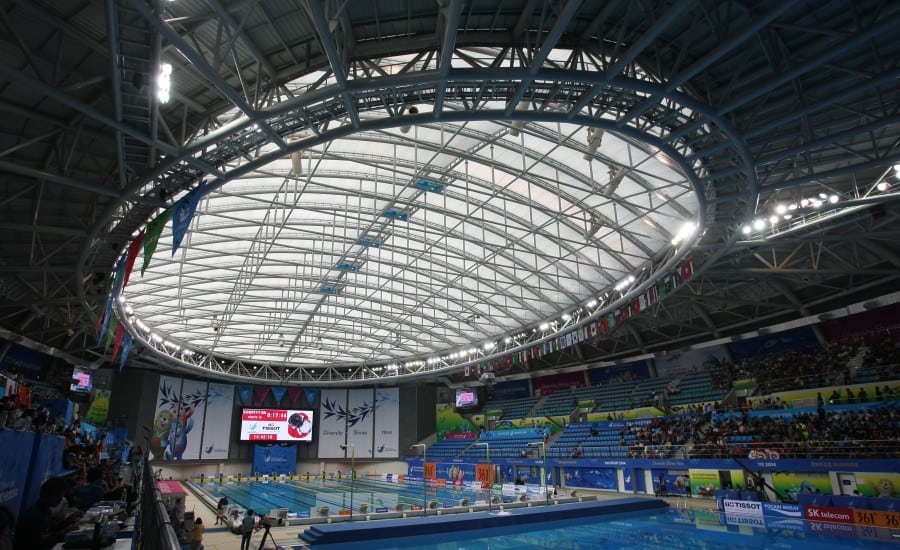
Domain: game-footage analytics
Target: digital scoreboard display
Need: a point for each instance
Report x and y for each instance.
(276, 425)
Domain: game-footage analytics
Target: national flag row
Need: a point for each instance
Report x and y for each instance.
(593, 330)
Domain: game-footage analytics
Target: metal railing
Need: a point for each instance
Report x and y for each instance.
(153, 529)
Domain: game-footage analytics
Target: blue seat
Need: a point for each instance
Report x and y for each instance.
(814, 499)
(850, 501)
(885, 504)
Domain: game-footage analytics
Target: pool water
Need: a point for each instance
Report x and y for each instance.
(304, 498)
(669, 530)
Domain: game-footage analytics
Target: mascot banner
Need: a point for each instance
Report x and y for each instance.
(178, 423)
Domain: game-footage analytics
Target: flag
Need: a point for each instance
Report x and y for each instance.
(294, 394)
(104, 321)
(652, 295)
(311, 395)
(111, 333)
(687, 270)
(151, 238)
(107, 314)
(184, 212)
(117, 341)
(261, 392)
(132, 255)
(278, 393)
(127, 342)
(244, 393)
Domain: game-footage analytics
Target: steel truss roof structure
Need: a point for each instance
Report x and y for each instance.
(394, 190)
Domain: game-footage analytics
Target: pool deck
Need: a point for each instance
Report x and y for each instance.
(348, 533)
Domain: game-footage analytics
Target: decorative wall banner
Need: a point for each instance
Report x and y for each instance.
(361, 421)
(161, 433)
(191, 410)
(387, 423)
(217, 423)
(332, 423)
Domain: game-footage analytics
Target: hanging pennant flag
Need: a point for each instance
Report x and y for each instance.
(127, 342)
(260, 393)
(278, 393)
(117, 341)
(687, 270)
(294, 394)
(311, 395)
(244, 393)
(151, 238)
(111, 333)
(133, 248)
(107, 314)
(183, 214)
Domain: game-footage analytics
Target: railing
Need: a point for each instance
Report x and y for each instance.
(153, 527)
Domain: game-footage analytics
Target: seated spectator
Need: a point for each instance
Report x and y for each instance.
(93, 491)
(37, 529)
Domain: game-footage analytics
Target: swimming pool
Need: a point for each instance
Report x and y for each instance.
(305, 499)
(668, 529)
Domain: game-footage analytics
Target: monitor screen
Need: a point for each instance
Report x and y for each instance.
(466, 398)
(81, 379)
(276, 425)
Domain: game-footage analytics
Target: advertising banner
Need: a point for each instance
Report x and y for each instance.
(387, 423)
(14, 461)
(46, 462)
(276, 425)
(274, 459)
(99, 407)
(217, 423)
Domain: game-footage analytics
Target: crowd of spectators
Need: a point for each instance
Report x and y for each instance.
(807, 368)
(867, 432)
(661, 436)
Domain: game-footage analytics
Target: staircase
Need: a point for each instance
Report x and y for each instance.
(137, 77)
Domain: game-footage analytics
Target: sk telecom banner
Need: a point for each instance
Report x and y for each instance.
(217, 424)
(387, 422)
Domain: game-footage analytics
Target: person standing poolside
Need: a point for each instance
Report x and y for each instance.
(247, 529)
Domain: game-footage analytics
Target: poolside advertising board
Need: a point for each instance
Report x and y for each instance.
(276, 425)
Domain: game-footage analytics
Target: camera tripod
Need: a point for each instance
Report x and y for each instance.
(266, 535)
